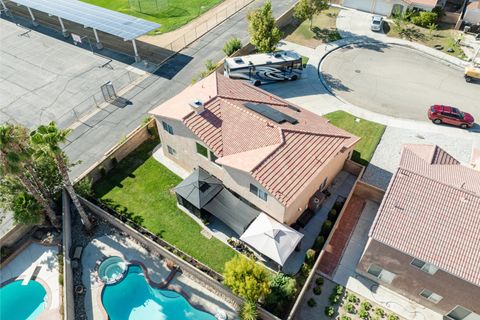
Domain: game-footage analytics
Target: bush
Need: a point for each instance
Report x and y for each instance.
(310, 257)
(282, 291)
(424, 19)
(332, 215)
(232, 46)
(380, 312)
(439, 11)
(345, 317)
(319, 281)
(334, 298)
(363, 314)
(84, 187)
(352, 298)
(319, 242)
(392, 316)
(248, 311)
(305, 270)
(339, 289)
(311, 303)
(317, 290)
(365, 305)
(326, 227)
(350, 308)
(329, 311)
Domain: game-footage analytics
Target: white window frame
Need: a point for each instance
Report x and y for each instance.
(379, 277)
(426, 267)
(171, 150)
(262, 194)
(168, 128)
(471, 312)
(429, 298)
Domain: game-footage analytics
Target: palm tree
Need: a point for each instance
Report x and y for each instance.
(15, 160)
(46, 140)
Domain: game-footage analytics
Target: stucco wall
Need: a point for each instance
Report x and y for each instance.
(410, 281)
(472, 16)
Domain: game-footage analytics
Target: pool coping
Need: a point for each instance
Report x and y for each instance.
(48, 292)
(165, 284)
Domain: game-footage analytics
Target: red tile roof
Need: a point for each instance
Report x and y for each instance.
(298, 152)
(431, 211)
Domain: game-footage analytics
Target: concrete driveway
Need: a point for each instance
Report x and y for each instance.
(397, 81)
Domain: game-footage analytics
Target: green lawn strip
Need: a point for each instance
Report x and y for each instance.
(370, 132)
(324, 30)
(305, 60)
(141, 188)
(171, 16)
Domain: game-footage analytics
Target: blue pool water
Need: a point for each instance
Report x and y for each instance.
(19, 302)
(132, 298)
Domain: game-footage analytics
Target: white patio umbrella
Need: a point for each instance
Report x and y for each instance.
(271, 238)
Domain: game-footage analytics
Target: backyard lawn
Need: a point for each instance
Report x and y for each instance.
(324, 30)
(370, 132)
(141, 188)
(169, 14)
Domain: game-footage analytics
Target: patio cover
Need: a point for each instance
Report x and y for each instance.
(271, 238)
(232, 211)
(108, 21)
(199, 188)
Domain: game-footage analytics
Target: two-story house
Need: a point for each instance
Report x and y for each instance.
(267, 152)
(425, 240)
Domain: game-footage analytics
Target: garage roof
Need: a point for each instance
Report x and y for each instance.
(108, 21)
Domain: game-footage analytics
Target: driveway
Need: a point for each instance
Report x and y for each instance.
(397, 81)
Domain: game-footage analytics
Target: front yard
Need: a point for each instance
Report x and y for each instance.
(141, 189)
(324, 30)
(369, 131)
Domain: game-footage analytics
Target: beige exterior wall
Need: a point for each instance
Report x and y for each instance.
(184, 143)
(410, 281)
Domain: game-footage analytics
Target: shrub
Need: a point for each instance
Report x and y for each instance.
(350, 308)
(351, 298)
(310, 257)
(311, 303)
(345, 317)
(318, 244)
(326, 227)
(332, 215)
(366, 305)
(317, 290)
(282, 291)
(339, 289)
(392, 316)
(319, 281)
(380, 312)
(329, 311)
(363, 314)
(424, 19)
(305, 270)
(232, 46)
(334, 298)
(248, 311)
(439, 11)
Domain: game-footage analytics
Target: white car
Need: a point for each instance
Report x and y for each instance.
(377, 23)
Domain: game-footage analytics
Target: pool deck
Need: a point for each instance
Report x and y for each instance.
(157, 274)
(44, 257)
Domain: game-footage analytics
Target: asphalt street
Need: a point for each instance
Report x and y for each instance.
(398, 81)
(91, 140)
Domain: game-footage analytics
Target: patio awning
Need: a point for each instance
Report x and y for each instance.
(231, 211)
(271, 238)
(199, 188)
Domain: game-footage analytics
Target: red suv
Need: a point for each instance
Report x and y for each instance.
(450, 115)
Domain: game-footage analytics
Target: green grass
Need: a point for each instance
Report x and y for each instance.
(370, 132)
(323, 30)
(141, 188)
(169, 14)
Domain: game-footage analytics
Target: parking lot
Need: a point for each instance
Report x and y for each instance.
(43, 78)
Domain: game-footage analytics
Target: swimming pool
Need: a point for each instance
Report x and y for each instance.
(19, 302)
(133, 298)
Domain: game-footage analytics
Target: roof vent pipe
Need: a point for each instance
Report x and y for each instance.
(197, 106)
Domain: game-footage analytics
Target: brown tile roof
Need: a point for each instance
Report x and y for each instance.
(431, 211)
(289, 154)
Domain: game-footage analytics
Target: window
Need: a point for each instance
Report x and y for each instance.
(258, 192)
(167, 127)
(381, 274)
(424, 266)
(202, 150)
(432, 296)
(460, 313)
(213, 157)
(171, 150)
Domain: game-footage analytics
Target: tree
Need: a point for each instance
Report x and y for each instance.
(306, 9)
(264, 34)
(246, 278)
(26, 209)
(16, 162)
(282, 290)
(46, 140)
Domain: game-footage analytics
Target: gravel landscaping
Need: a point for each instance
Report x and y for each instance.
(387, 155)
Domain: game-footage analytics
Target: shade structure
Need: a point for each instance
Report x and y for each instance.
(271, 238)
(108, 21)
(199, 188)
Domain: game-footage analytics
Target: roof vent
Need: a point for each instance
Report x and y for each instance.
(238, 60)
(277, 55)
(197, 106)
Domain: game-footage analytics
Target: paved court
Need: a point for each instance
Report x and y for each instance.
(398, 81)
(44, 79)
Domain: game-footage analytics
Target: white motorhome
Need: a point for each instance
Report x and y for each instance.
(265, 67)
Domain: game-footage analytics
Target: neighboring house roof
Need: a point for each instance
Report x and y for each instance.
(282, 157)
(474, 5)
(431, 211)
(426, 3)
